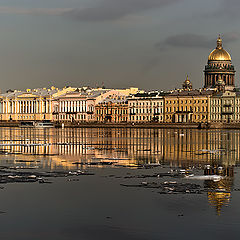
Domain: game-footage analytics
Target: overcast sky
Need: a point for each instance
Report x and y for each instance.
(150, 44)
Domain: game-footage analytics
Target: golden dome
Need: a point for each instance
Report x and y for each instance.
(219, 54)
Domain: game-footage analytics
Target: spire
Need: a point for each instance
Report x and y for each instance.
(219, 42)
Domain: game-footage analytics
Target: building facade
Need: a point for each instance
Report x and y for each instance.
(26, 106)
(85, 105)
(187, 107)
(70, 107)
(225, 107)
(112, 110)
(146, 107)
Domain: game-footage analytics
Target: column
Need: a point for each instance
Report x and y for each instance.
(36, 106)
(32, 106)
(75, 106)
(49, 106)
(46, 106)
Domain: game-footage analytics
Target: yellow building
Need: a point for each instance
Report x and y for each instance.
(187, 106)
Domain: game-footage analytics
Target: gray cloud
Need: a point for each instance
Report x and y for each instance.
(116, 9)
(105, 10)
(194, 40)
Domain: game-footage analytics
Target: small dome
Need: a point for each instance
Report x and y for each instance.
(187, 84)
(219, 54)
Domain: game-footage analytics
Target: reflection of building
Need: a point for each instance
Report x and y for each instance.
(176, 147)
(146, 107)
(187, 106)
(219, 66)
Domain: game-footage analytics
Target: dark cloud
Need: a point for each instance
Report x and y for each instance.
(228, 9)
(194, 40)
(104, 10)
(116, 9)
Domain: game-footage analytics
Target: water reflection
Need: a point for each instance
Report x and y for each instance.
(219, 192)
(63, 148)
(177, 147)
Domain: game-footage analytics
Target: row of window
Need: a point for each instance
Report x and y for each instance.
(142, 110)
(225, 101)
(117, 119)
(193, 117)
(226, 109)
(71, 117)
(26, 117)
(185, 101)
(186, 109)
(149, 103)
(110, 111)
(144, 118)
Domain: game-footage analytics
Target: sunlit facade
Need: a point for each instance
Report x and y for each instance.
(112, 110)
(29, 105)
(92, 105)
(146, 107)
(225, 107)
(187, 107)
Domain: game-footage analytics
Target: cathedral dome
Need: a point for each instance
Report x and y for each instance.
(219, 54)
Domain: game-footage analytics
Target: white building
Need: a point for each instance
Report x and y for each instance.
(146, 107)
(225, 107)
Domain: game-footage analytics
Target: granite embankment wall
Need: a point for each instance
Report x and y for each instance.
(155, 125)
(145, 125)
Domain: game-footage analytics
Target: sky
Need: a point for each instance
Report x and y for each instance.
(149, 44)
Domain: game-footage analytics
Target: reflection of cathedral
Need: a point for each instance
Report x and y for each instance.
(219, 66)
(219, 192)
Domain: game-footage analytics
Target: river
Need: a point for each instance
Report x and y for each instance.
(142, 184)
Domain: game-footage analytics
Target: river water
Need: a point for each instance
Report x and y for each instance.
(126, 184)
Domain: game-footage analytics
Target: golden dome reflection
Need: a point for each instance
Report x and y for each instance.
(219, 54)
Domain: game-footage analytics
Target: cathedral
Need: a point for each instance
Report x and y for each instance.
(219, 67)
